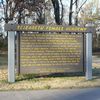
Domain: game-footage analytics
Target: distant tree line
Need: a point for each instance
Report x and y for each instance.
(21, 9)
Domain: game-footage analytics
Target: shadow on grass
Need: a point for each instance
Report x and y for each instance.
(96, 52)
(51, 75)
(96, 73)
(36, 77)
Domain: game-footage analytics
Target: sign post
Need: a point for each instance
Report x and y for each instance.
(11, 56)
(88, 56)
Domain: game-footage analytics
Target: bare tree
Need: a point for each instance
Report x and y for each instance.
(70, 12)
(78, 8)
(18, 7)
(56, 11)
(62, 12)
(76, 16)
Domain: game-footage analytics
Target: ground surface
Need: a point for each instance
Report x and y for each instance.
(29, 82)
(66, 94)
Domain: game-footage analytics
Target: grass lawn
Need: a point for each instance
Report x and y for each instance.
(31, 82)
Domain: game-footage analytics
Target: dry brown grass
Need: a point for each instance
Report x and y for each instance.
(29, 82)
(24, 83)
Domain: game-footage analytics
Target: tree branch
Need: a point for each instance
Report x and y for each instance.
(81, 6)
(74, 2)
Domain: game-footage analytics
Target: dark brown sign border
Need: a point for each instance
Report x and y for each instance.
(47, 28)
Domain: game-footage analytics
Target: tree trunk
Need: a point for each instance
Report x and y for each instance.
(70, 12)
(56, 11)
(76, 17)
(62, 12)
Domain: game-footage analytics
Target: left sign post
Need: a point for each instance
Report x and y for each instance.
(11, 56)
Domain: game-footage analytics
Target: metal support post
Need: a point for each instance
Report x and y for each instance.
(11, 56)
(88, 56)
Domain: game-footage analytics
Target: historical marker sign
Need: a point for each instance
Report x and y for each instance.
(51, 53)
(50, 49)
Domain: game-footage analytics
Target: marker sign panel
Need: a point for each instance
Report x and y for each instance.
(51, 52)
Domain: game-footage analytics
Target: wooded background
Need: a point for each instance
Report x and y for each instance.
(60, 12)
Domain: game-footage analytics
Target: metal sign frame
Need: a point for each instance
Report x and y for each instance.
(69, 67)
(11, 28)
